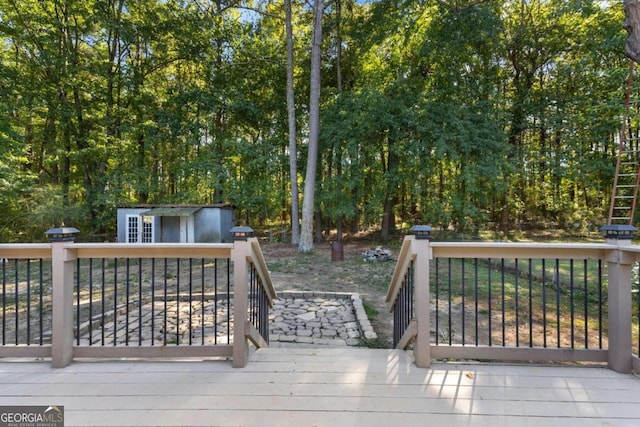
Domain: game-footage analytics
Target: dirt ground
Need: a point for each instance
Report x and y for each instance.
(317, 272)
(292, 271)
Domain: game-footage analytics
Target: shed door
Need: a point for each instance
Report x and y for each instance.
(140, 229)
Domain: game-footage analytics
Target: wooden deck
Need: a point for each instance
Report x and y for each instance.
(324, 387)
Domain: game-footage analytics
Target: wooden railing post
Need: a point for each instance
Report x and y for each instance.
(619, 263)
(239, 256)
(421, 250)
(62, 258)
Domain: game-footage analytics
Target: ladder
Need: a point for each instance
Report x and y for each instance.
(627, 177)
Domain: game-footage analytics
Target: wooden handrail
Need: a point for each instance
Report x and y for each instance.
(25, 251)
(519, 250)
(404, 259)
(257, 258)
(155, 250)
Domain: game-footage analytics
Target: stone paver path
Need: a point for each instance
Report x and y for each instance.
(330, 319)
(324, 318)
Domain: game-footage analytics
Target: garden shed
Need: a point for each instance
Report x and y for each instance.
(175, 223)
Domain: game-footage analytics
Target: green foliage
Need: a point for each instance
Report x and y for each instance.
(464, 115)
(371, 312)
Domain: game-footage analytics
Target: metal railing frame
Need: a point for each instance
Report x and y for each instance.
(248, 262)
(416, 255)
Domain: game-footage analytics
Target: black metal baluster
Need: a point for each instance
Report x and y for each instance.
(139, 301)
(90, 301)
(490, 326)
(401, 313)
(475, 262)
(557, 279)
(153, 301)
(638, 308)
(258, 307)
(265, 315)
(4, 302)
(404, 309)
(600, 304)
(572, 303)
(412, 290)
(17, 300)
(396, 323)
(115, 301)
(78, 280)
(177, 301)
(517, 297)
(449, 297)
(254, 285)
(228, 301)
(102, 294)
(544, 303)
(637, 266)
(127, 291)
(28, 302)
(164, 329)
(463, 302)
(586, 306)
(190, 301)
(261, 308)
(502, 302)
(215, 302)
(41, 307)
(437, 301)
(530, 302)
(408, 299)
(256, 297)
(202, 300)
(405, 304)
(250, 297)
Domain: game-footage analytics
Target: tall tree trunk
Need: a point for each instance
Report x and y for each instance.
(391, 190)
(306, 235)
(291, 116)
(339, 79)
(65, 172)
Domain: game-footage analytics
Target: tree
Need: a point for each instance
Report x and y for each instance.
(306, 234)
(291, 120)
(461, 114)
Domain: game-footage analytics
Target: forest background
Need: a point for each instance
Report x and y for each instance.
(462, 114)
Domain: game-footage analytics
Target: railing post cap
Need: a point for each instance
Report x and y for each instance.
(62, 234)
(241, 232)
(618, 231)
(422, 232)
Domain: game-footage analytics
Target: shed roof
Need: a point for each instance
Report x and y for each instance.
(178, 205)
(173, 211)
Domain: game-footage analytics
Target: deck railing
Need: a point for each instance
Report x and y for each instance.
(515, 301)
(68, 300)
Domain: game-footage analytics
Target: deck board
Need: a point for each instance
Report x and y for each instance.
(324, 387)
